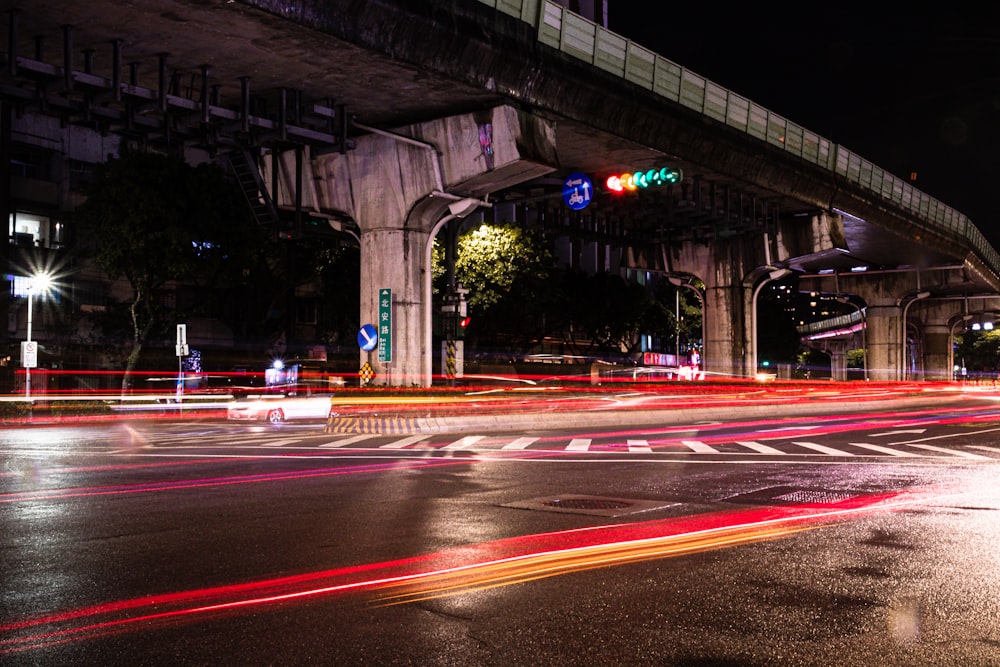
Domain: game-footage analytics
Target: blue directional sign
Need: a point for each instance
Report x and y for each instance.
(577, 191)
(368, 337)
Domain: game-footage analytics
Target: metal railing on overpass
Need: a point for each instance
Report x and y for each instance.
(581, 38)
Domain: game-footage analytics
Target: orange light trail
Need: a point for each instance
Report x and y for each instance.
(463, 569)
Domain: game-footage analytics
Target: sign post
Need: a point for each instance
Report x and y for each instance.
(182, 350)
(29, 359)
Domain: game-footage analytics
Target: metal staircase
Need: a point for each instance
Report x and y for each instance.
(244, 168)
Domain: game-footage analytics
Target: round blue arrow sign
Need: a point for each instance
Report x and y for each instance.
(368, 337)
(577, 191)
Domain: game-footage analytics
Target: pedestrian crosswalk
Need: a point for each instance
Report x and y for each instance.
(569, 444)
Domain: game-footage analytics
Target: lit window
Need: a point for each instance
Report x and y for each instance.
(28, 230)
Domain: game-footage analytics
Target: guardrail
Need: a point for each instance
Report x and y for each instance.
(581, 38)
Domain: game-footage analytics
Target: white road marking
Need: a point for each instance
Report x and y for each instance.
(952, 452)
(699, 446)
(405, 442)
(638, 446)
(758, 447)
(578, 445)
(278, 443)
(465, 442)
(884, 450)
(520, 443)
(823, 449)
(348, 441)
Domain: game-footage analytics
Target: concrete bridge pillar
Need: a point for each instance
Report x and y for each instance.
(937, 355)
(721, 266)
(939, 320)
(400, 187)
(838, 361)
(882, 328)
(733, 271)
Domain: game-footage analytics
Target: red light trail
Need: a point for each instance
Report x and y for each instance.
(459, 570)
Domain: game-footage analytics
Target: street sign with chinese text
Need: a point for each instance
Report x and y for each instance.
(385, 325)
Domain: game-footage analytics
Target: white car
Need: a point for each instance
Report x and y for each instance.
(279, 409)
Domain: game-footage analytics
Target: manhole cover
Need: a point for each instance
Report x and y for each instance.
(786, 494)
(593, 505)
(814, 497)
(588, 503)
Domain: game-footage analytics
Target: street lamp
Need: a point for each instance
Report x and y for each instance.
(864, 331)
(963, 320)
(774, 274)
(902, 333)
(40, 283)
(677, 282)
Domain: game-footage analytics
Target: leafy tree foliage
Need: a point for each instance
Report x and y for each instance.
(517, 299)
(507, 270)
(979, 352)
(154, 219)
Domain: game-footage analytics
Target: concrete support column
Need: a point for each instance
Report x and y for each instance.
(936, 352)
(721, 266)
(724, 345)
(399, 186)
(406, 275)
(883, 341)
(838, 362)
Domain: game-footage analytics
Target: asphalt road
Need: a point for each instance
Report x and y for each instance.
(854, 539)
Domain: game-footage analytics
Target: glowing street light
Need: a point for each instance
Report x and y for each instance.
(29, 350)
(772, 275)
(864, 329)
(905, 302)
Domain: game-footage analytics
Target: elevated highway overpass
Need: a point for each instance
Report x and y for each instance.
(392, 118)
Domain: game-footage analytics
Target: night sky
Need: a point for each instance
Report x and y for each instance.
(910, 92)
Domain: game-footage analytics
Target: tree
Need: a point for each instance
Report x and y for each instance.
(517, 298)
(153, 219)
(979, 352)
(507, 271)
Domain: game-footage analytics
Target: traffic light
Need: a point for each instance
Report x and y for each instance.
(640, 180)
(463, 324)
